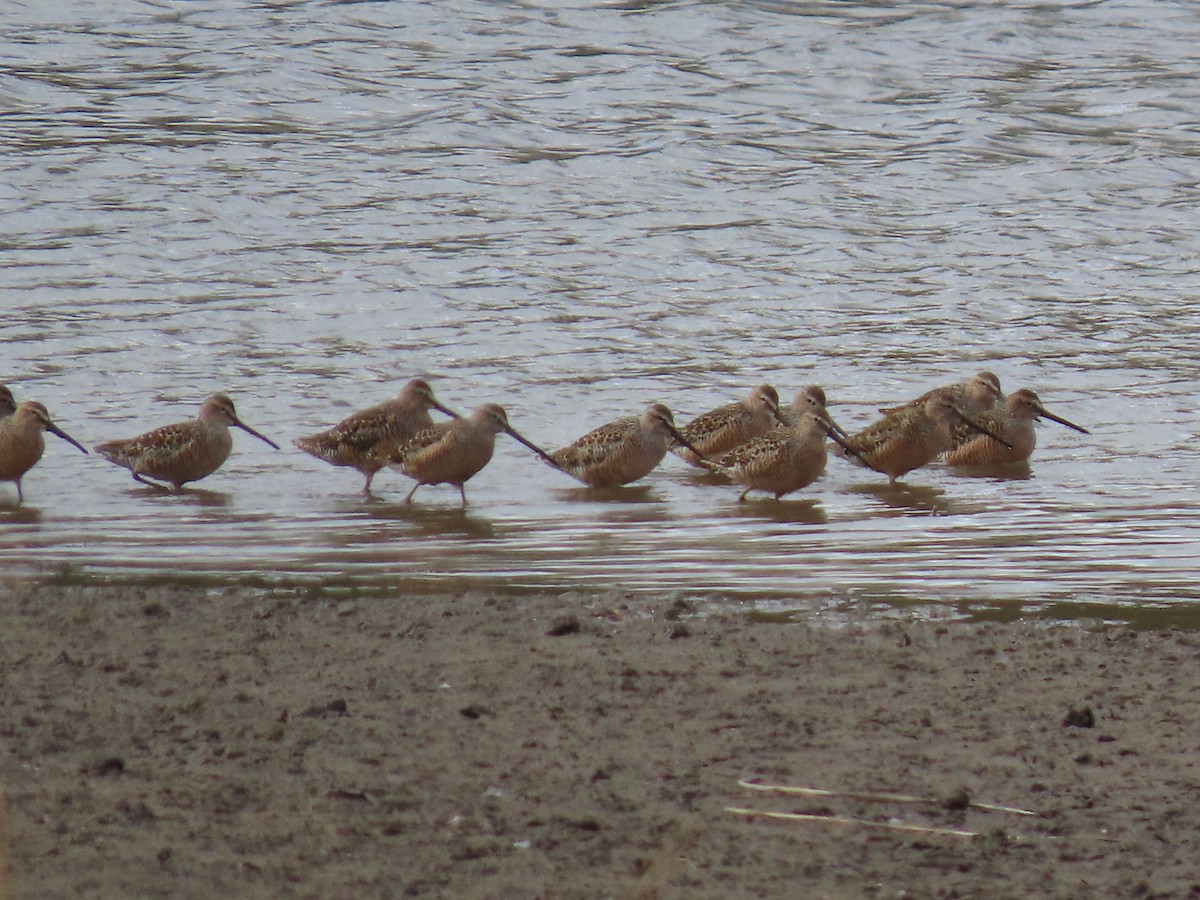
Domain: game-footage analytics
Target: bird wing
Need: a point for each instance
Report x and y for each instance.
(596, 446)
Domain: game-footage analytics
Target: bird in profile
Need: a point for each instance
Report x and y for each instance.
(1014, 422)
(720, 430)
(912, 436)
(623, 450)
(183, 452)
(452, 452)
(782, 460)
(363, 439)
(21, 441)
(974, 396)
(8, 404)
(809, 399)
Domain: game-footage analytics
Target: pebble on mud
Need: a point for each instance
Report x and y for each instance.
(1079, 718)
(563, 625)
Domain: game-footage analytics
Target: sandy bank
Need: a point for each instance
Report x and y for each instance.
(179, 742)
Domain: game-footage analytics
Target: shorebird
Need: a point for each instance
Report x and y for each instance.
(975, 396)
(363, 439)
(911, 437)
(1014, 422)
(452, 452)
(809, 399)
(622, 451)
(21, 441)
(783, 460)
(8, 405)
(183, 452)
(720, 430)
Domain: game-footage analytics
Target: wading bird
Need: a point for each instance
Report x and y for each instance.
(183, 452)
(623, 450)
(1014, 422)
(362, 440)
(22, 444)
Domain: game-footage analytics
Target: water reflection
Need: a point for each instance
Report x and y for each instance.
(187, 496)
(911, 498)
(434, 522)
(643, 492)
(766, 509)
(25, 514)
(1017, 471)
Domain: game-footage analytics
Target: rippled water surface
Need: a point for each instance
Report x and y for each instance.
(576, 209)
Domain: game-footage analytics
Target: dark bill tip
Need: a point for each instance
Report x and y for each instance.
(266, 440)
(532, 446)
(1061, 421)
(58, 432)
(684, 441)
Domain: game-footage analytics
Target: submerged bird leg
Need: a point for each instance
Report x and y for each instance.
(462, 492)
(146, 481)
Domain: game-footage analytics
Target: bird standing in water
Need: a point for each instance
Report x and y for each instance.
(183, 452)
(720, 430)
(623, 450)
(783, 460)
(1014, 422)
(362, 440)
(911, 436)
(21, 441)
(452, 452)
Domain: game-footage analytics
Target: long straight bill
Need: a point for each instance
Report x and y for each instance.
(246, 428)
(679, 437)
(981, 428)
(831, 430)
(1042, 411)
(55, 430)
(534, 447)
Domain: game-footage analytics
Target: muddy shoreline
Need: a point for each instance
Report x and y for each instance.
(188, 742)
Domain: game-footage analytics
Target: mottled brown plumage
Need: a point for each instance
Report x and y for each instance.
(22, 444)
(1014, 421)
(782, 460)
(623, 450)
(910, 437)
(454, 451)
(975, 396)
(183, 452)
(720, 430)
(363, 440)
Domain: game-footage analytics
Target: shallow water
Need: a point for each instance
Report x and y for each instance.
(574, 210)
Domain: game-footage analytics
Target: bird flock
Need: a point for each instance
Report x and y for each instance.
(755, 442)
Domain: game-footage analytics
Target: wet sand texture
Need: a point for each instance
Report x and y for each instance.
(171, 742)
